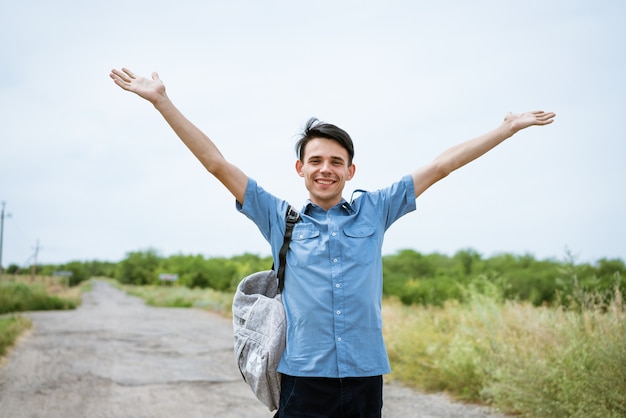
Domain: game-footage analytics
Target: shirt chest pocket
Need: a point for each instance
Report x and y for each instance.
(304, 245)
(361, 243)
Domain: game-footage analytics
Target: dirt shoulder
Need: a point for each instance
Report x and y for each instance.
(117, 357)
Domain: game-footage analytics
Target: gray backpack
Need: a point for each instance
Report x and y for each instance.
(259, 324)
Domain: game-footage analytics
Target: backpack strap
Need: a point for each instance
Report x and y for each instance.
(291, 219)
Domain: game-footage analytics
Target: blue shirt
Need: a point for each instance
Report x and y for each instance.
(333, 279)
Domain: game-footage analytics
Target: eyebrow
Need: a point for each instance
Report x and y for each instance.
(333, 158)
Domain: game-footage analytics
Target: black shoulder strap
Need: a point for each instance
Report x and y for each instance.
(291, 219)
(356, 191)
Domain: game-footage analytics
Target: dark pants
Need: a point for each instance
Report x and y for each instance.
(318, 397)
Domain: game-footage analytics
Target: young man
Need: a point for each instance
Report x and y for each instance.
(335, 355)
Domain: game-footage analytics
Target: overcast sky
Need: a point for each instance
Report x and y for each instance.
(91, 172)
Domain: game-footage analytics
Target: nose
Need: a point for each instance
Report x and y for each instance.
(325, 167)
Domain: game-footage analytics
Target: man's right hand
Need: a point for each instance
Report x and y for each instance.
(151, 90)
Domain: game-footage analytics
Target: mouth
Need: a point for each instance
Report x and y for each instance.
(325, 182)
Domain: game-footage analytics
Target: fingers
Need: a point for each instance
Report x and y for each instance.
(124, 75)
(541, 117)
(129, 73)
(122, 79)
(542, 114)
(524, 120)
(544, 118)
(117, 75)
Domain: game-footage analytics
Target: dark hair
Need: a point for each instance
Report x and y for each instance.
(317, 129)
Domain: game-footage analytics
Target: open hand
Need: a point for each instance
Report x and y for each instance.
(524, 120)
(151, 90)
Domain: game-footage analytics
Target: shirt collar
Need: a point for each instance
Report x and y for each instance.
(347, 207)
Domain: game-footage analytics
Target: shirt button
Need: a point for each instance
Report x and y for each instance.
(337, 285)
(334, 260)
(338, 338)
(338, 312)
(301, 236)
(334, 234)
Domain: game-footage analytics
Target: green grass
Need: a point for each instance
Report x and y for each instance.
(535, 362)
(183, 297)
(11, 327)
(17, 296)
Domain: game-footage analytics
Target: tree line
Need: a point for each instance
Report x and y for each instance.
(414, 278)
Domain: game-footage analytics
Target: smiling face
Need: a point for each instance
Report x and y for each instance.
(324, 167)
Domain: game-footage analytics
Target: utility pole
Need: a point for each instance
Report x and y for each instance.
(2, 215)
(33, 267)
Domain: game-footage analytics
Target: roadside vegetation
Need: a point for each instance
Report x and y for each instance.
(524, 360)
(23, 293)
(20, 294)
(183, 297)
(534, 338)
(11, 327)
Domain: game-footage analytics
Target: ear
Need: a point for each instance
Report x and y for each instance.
(351, 171)
(299, 167)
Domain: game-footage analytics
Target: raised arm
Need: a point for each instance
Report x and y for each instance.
(463, 153)
(198, 143)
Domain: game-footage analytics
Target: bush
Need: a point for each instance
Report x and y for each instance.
(433, 279)
(139, 268)
(18, 297)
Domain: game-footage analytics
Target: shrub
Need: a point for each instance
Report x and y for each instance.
(17, 297)
(139, 268)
